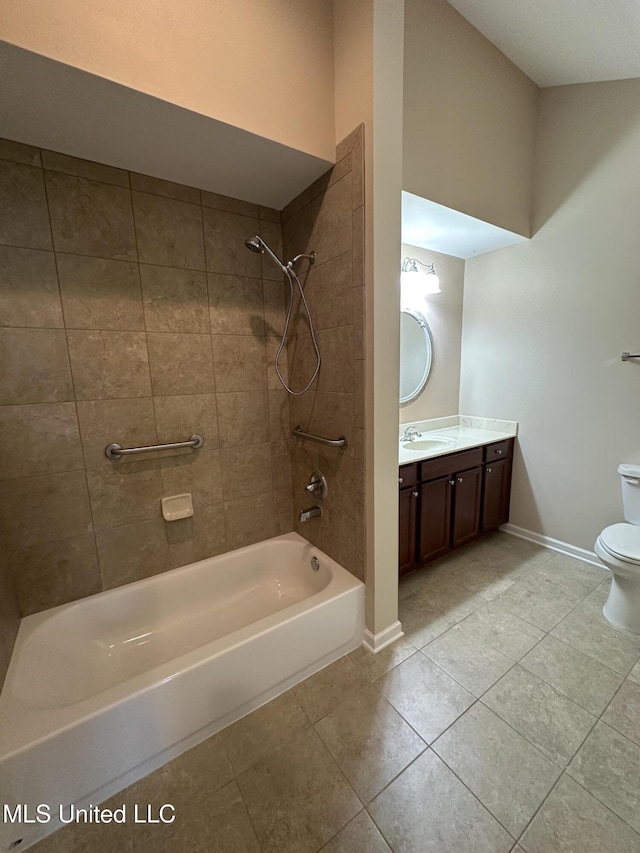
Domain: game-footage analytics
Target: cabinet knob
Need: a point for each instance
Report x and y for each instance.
(459, 479)
(489, 470)
(452, 482)
(414, 494)
(498, 453)
(401, 480)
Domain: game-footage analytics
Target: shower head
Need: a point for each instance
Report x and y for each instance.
(254, 243)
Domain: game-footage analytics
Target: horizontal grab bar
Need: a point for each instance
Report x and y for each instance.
(341, 441)
(627, 355)
(115, 451)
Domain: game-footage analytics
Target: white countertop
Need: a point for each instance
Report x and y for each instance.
(460, 431)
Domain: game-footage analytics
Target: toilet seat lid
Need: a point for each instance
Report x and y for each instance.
(623, 541)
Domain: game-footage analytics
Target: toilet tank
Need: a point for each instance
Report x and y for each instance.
(630, 477)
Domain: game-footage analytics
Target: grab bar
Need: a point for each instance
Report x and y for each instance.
(341, 441)
(627, 355)
(115, 451)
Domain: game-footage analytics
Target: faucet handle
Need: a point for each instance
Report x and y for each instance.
(318, 485)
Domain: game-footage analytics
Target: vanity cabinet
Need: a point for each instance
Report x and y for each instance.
(450, 500)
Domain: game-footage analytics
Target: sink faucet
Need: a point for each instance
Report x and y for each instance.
(410, 434)
(312, 512)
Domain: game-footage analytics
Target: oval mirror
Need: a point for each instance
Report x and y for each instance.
(415, 354)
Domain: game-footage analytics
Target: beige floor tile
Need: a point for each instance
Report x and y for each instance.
(373, 666)
(566, 571)
(608, 766)
(324, 691)
(546, 718)
(427, 697)
(370, 741)
(90, 837)
(422, 624)
(507, 774)
(572, 821)
(359, 836)
(221, 826)
(297, 798)
(263, 731)
(623, 714)
(575, 675)
(634, 675)
(472, 662)
(539, 601)
(448, 595)
(586, 630)
(428, 810)
(505, 632)
(484, 577)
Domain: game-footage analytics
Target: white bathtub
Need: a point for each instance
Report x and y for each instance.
(102, 691)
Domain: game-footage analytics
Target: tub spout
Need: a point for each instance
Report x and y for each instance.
(312, 512)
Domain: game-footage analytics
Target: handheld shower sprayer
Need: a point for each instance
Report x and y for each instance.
(257, 244)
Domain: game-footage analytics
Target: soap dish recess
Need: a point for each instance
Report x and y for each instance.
(176, 507)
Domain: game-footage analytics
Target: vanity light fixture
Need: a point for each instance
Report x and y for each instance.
(414, 287)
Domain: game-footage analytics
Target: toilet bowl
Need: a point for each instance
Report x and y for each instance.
(618, 549)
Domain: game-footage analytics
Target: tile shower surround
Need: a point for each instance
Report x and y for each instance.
(131, 311)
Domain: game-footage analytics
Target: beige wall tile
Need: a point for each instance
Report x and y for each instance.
(129, 423)
(197, 538)
(336, 347)
(156, 186)
(37, 510)
(236, 305)
(243, 416)
(269, 214)
(24, 220)
(175, 300)
(180, 364)
(178, 418)
(272, 345)
(357, 171)
(224, 236)
(84, 168)
(125, 493)
(198, 473)
(279, 425)
(132, 552)
(271, 233)
(19, 153)
(9, 611)
(98, 293)
(303, 361)
(283, 510)
(358, 247)
(169, 232)
(276, 300)
(249, 519)
(39, 439)
(35, 366)
(281, 464)
(55, 573)
(29, 293)
(332, 221)
(333, 416)
(109, 365)
(90, 218)
(246, 470)
(329, 291)
(240, 363)
(228, 204)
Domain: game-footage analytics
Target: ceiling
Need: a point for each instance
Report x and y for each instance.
(556, 42)
(441, 229)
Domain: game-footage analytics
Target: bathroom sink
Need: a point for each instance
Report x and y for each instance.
(421, 444)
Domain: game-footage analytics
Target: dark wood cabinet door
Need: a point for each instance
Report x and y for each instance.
(466, 509)
(407, 532)
(497, 487)
(435, 519)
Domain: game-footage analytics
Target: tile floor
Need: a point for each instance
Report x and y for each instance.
(507, 719)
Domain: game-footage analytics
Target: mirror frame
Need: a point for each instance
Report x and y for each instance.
(422, 322)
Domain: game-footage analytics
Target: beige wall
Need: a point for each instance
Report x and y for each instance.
(132, 312)
(263, 67)
(444, 314)
(545, 322)
(469, 119)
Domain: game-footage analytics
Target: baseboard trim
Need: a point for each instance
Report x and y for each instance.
(376, 642)
(553, 544)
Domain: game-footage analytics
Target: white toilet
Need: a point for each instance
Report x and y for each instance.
(618, 548)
